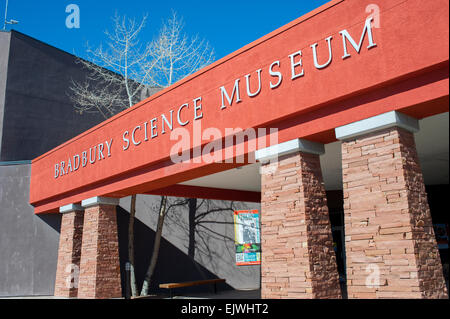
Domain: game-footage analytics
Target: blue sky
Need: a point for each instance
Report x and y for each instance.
(227, 25)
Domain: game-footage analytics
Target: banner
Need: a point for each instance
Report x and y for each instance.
(247, 237)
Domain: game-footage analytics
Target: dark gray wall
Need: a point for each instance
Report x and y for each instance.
(4, 56)
(38, 114)
(28, 243)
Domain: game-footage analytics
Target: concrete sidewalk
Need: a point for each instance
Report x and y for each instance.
(225, 294)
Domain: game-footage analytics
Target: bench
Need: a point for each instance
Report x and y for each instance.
(172, 285)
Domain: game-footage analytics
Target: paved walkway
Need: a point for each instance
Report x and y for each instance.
(224, 294)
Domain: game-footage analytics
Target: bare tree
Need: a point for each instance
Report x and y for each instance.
(126, 71)
(176, 55)
(118, 73)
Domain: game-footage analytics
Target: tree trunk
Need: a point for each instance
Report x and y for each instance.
(131, 245)
(192, 211)
(158, 235)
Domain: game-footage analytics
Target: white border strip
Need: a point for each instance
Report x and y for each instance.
(70, 208)
(100, 201)
(292, 146)
(376, 123)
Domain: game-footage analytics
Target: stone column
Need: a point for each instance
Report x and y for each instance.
(298, 260)
(99, 266)
(69, 251)
(390, 244)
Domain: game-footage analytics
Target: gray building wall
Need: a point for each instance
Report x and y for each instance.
(38, 114)
(28, 243)
(4, 57)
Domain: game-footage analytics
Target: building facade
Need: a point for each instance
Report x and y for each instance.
(337, 123)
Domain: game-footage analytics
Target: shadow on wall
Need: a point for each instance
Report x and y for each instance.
(173, 264)
(52, 220)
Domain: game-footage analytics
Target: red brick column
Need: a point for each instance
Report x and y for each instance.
(390, 244)
(298, 260)
(69, 251)
(99, 266)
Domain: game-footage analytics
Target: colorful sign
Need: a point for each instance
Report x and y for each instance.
(247, 237)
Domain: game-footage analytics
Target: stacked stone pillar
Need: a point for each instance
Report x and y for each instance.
(69, 251)
(99, 265)
(298, 260)
(391, 250)
(88, 256)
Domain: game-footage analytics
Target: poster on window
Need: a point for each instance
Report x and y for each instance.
(247, 237)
